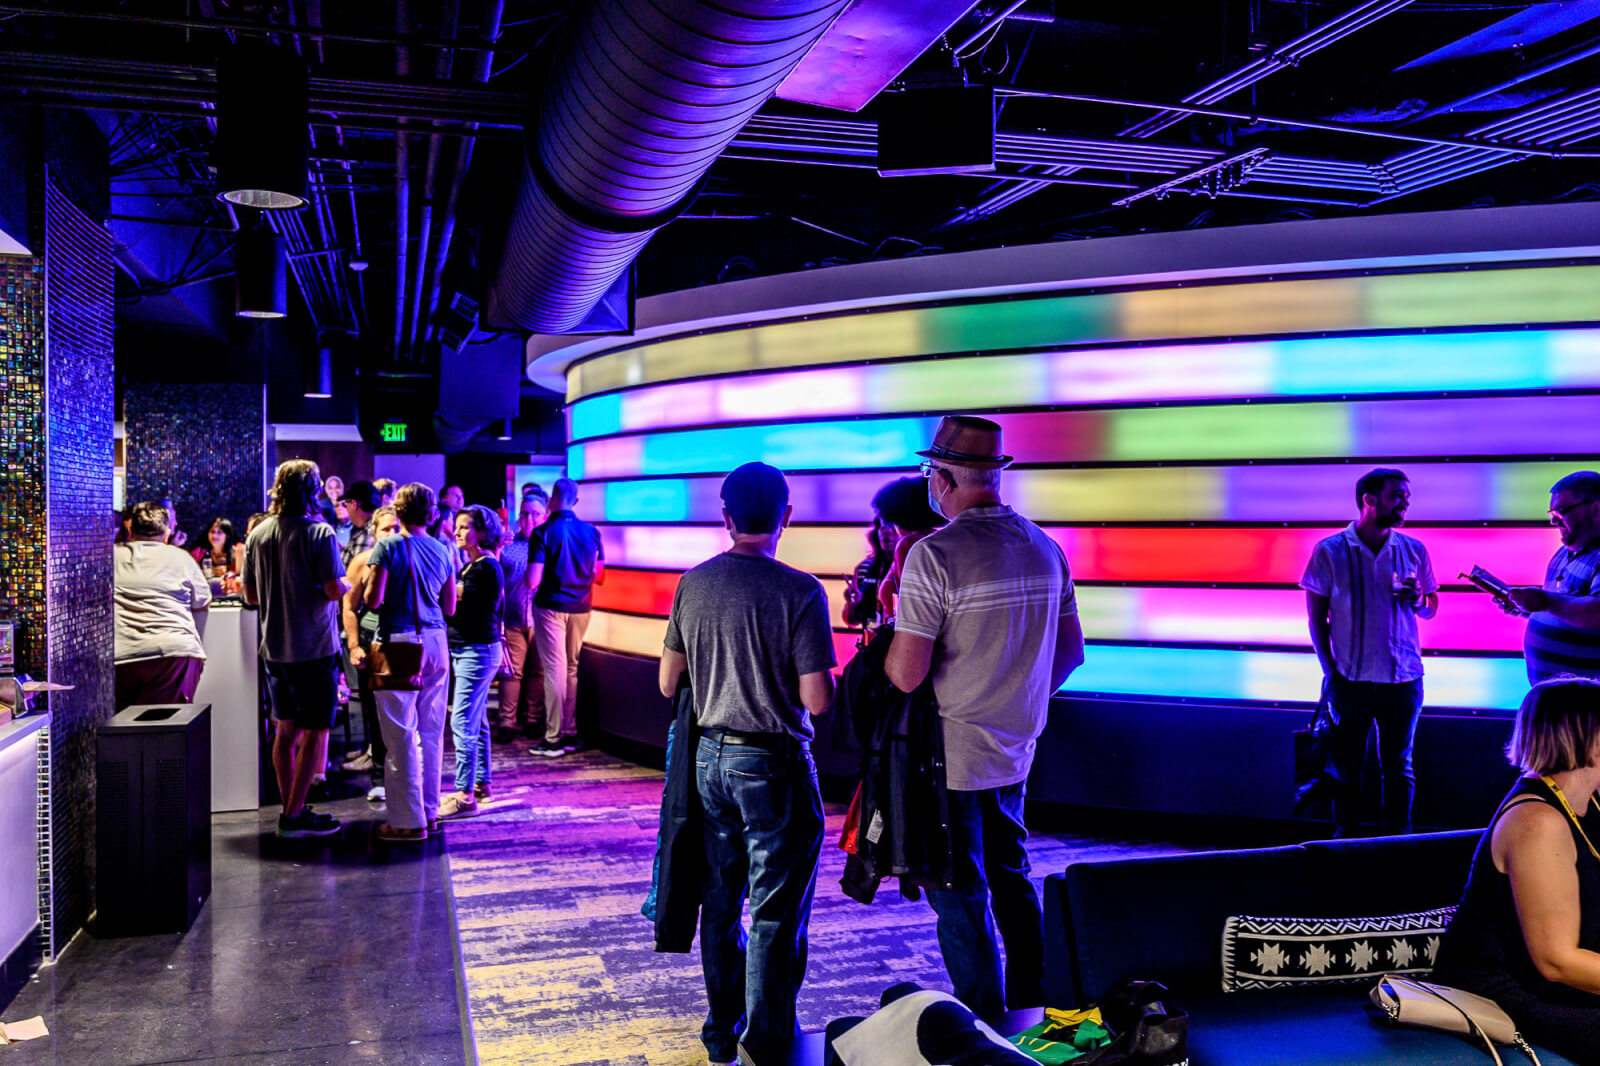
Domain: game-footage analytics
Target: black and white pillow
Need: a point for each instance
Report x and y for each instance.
(1302, 952)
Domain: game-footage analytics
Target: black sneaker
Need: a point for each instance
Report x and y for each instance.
(307, 823)
(571, 743)
(550, 749)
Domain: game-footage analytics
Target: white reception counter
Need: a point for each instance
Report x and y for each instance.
(230, 683)
(19, 830)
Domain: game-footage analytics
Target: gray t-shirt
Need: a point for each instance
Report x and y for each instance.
(750, 627)
(990, 589)
(287, 561)
(158, 589)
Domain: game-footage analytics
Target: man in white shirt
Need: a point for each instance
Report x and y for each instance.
(987, 610)
(1366, 586)
(158, 587)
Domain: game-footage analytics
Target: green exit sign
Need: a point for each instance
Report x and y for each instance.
(394, 432)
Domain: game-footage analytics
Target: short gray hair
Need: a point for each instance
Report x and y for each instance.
(975, 477)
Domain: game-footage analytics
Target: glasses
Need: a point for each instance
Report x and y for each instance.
(927, 468)
(1555, 512)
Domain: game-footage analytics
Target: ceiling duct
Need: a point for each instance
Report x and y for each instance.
(638, 105)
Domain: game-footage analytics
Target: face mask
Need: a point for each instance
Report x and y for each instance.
(933, 501)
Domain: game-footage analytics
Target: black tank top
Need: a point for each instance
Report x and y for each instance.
(1483, 949)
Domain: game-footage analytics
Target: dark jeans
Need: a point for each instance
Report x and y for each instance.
(1394, 709)
(991, 868)
(763, 834)
(369, 725)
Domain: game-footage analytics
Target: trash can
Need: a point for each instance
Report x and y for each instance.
(153, 819)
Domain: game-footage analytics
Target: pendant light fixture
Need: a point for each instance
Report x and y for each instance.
(260, 274)
(263, 143)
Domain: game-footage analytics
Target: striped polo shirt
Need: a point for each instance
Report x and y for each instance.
(990, 589)
(1551, 646)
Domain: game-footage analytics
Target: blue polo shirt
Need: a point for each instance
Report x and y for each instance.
(1553, 647)
(570, 550)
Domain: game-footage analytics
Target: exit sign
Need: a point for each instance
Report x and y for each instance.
(394, 432)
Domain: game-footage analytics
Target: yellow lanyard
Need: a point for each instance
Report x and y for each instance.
(1562, 799)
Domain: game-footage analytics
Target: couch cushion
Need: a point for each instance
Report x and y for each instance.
(1160, 919)
(1389, 875)
(1305, 952)
(1320, 1027)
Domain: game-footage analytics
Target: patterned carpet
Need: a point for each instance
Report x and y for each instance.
(560, 970)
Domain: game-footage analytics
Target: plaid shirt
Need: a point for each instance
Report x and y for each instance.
(361, 539)
(1551, 646)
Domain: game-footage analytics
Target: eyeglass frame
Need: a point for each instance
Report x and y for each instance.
(1557, 513)
(927, 469)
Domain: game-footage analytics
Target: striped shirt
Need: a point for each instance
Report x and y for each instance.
(1374, 635)
(1551, 646)
(990, 590)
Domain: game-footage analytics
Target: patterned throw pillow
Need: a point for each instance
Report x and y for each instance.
(1303, 952)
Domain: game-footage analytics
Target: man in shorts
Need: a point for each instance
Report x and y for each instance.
(292, 571)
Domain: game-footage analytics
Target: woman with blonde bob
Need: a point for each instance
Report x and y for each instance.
(1527, 933)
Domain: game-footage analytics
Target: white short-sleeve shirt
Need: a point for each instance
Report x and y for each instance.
(1374, 635)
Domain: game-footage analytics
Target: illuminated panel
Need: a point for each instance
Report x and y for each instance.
(645, 636)
(651, 592)
(1318, 366)
(1393, 431)
(1379, 302)
(817, 551)
(1203, 673)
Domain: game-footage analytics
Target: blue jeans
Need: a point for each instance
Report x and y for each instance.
(991, 870)
(1394, 709)
(475, 666)
(762, 813)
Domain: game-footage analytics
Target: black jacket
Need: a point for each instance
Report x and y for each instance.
(674, 901)
(904, 819)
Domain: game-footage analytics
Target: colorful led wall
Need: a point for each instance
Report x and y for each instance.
(1186, 445)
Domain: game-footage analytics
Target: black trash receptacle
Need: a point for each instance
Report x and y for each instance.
(153, 819)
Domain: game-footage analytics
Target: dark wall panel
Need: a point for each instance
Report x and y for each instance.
(203, 445)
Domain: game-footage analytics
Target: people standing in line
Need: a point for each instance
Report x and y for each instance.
(474, 637)
(754, 637)
(566, 559)
(360, 630)
(411, 584)
(522, 690)
(987, 609)
(157, 590)
(361, 501)
(1366, 586)
(1527, 932)
(1563, 635)
(292, 572)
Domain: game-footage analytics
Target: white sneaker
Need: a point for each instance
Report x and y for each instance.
(375, 794)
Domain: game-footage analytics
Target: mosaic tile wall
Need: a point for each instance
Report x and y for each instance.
(80, 405)
(22, 456)
(203, 445)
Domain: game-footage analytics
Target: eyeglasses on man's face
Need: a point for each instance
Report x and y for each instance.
(927, 468)
(1556, 513)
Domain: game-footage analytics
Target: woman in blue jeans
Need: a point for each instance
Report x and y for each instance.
(475, 631)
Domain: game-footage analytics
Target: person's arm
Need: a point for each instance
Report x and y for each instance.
(535, 576)
(348, 607)
(1068, 655)
(600, 571)
(377, 585)
(1321, 642)
(1580, 611)
(816, 691)
(1540, 858)
(447, 596)
(921, 616)
(673, 665)
(1429, 606)
(909, 659)
(247, 584)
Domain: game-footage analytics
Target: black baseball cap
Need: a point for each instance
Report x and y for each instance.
(364, 493)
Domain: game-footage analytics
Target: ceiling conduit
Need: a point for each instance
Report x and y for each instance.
(639, 104)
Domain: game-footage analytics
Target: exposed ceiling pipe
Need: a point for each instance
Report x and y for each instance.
(639, 104)
(402, 186)
(442, 68)
(1291, 54)
(478, 71)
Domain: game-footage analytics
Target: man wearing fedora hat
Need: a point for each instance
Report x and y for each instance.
(987, 611)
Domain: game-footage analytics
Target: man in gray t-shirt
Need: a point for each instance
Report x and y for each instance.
(987, 609)
(754, 638)
(293, 572)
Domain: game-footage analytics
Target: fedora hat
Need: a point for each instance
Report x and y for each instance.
(963, 440)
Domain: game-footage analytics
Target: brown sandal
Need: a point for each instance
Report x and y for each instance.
(394, 835)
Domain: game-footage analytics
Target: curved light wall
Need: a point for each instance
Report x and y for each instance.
(1185, 445)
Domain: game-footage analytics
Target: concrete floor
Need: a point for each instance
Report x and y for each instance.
(307, 953)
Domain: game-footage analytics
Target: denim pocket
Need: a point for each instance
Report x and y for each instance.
(763, 799)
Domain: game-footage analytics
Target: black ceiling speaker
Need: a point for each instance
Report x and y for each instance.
(945, 130)
(263, 143)
(317, 369)
(260, 274)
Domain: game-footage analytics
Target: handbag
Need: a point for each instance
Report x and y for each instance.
(1315, 772)
(396, 666)
(1144, 1030)
(1449, 1010)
